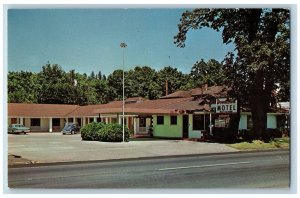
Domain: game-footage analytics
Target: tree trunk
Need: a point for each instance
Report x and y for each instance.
(259, 106)
(259, 115)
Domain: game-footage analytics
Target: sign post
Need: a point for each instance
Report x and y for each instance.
(225, 106)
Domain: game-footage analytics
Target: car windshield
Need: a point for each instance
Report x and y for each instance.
(69, 126)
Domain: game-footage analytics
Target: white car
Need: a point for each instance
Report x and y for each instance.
(18, 128)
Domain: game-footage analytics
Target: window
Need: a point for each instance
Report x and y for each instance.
(198, 122)
(99, 119)
(160, 120)
(125, 121)
(91, 120)
(14, 121)
(173, 120)
(142, 122)
(70, 120)
(35, 122)
(56, 121)
(78, 121)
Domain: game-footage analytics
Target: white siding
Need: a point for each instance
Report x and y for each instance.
(243, 122)
(271, 122)
(193, 133)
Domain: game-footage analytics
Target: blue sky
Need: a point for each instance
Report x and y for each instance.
(89, 40)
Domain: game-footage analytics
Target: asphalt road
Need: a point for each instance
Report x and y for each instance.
(226, 171)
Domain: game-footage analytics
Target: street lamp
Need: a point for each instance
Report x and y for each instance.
(123, 45)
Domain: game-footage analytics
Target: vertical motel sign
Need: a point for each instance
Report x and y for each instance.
(225, 105)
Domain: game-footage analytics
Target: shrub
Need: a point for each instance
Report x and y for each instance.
(223, 134)
(270, 134)
(247, 135)
(113, 133)
(267, 136)
(91, 131)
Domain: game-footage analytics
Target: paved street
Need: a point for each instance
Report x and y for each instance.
(227, 171)
(54, 147)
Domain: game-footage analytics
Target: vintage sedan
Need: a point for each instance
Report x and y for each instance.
(18, 128)
(71, 128)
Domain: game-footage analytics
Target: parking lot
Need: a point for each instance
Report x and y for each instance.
(55, 147)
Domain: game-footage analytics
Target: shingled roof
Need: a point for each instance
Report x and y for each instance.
(40, 110)
(84, 111)
(159, 106)
(177, 102)
(178, 94)
(216, 91)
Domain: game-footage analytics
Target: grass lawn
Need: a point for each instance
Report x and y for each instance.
(258, 145)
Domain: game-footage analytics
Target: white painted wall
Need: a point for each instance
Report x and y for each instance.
(193, 133)
(271, 122)
(243, 122)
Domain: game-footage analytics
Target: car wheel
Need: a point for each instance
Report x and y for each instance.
(25, 133)
(63, 133)
(72, 132)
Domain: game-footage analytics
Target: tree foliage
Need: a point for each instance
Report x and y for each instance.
(144, 82)
(22, 87)
(262, 54)
(210, 73)
(171, 77)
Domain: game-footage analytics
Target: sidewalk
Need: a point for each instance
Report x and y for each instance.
(54, 147)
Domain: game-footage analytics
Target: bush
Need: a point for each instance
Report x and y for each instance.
(90, 131)
(247, 135)
(270, 134)
(223, 134)
(113, 133)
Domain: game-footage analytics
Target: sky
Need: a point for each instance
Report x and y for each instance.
(89, 40)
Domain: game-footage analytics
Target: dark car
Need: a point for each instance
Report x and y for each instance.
(71, 129)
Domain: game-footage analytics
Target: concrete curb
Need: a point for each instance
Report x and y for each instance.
(141, 158)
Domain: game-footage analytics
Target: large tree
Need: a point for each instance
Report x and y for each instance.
(115, 82)
(210, 73)
(23, 87)
(262, 52)
(144, 82)
(170, 80)
(60, 87)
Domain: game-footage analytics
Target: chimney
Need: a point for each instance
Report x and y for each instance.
(204, 87)
(166, 87)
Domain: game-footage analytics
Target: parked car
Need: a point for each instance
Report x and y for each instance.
(71, 128)
(18, 128)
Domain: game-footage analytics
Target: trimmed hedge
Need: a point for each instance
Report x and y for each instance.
(97, 131)
(90, 131)
(113, 133)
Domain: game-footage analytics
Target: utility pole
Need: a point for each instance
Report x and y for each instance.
(123, 45)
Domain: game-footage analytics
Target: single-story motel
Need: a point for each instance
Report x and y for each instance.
(182, 114)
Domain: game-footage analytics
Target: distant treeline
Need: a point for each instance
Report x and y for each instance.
(53, 85)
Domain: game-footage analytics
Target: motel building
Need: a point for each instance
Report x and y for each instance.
(182, 114)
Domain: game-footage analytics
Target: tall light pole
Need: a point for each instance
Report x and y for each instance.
(123, 45)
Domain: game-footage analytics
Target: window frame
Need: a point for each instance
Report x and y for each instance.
(173, 120)
(37, 120)
(198, 124)
(160, 120)
(54, 122)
